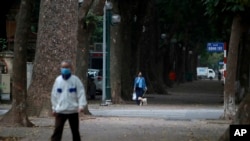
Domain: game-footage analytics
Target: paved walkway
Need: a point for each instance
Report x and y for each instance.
(196, 100)
(190, 112)
(164, 113)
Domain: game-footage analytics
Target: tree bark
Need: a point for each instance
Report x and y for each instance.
(138, 46)
(241, 117)
(17, 115)
(129, 27)
(148, 38)
(56, 41)
(5, 7)
(82, 55)
(229, 89)
(115, 58)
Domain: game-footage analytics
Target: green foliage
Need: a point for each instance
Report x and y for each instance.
(97, 23)
(222, 11)
(2, 86)
(185, 21)
(217, 7)
(214, 58)
(90, 19)
(35, 16)
(98, 32)
(211, 60)
(3, 43)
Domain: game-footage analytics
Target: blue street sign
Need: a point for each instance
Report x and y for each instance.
(215, 47)
(221, 63)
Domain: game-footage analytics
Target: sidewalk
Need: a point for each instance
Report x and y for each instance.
(129, 122)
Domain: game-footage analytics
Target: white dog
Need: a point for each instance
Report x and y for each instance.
(142, 101)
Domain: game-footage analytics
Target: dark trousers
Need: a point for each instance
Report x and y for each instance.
(60, 120)
(139, 93)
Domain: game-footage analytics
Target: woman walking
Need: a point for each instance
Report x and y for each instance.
(139, 87)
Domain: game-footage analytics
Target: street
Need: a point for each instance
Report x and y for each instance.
(189, 112)
(169, 114)
(196, 100)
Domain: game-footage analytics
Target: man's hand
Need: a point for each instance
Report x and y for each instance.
(80, 110)
(54, 113)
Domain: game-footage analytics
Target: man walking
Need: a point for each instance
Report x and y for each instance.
(68, 100)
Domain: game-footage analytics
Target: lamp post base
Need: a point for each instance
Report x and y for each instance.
(106, 103)
(103, 103)
(109, 102)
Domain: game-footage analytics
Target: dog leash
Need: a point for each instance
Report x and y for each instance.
(144, 93)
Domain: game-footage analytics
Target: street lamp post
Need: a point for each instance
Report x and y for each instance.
(108, 20)
(173, 41)
(108, 23)
(183, 63)
(190, 71)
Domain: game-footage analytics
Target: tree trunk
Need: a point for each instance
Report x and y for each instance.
(147, 48)
(56, 41)
(138, 46)
(229, 92)
(84, 33)
(82, 55)
(241, 117)
(129, 27)
(5, 7)
(17, 116)
(243, 65)
(115, 58)
(82, 58)
(127, 55)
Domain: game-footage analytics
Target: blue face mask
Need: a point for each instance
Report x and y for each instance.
(65, 71)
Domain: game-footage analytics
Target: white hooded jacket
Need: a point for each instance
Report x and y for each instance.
(68, 96)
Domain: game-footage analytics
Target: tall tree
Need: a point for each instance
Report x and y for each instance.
(17, 115)
(186, 29)
(231, 69)
(241, 117)
(127, 45)
(137, 45)
(56, 41)
(83, 45)
(115, 58)
(238, 9)
(5, 6)
(86, 24)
